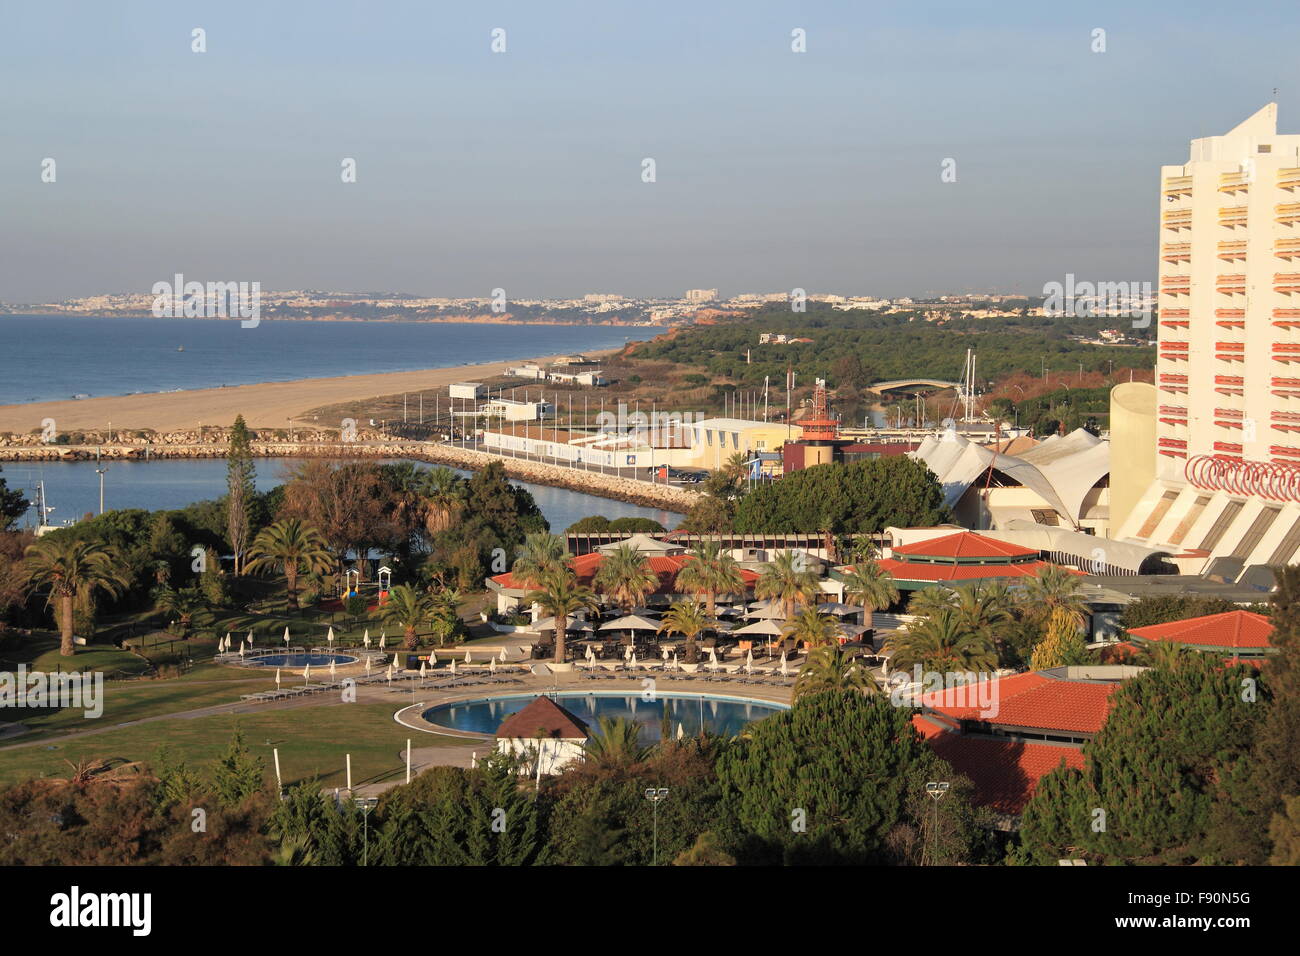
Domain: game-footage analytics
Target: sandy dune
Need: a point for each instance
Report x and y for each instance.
(270, 405)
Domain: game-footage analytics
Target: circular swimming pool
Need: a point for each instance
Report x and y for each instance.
(690, 712)
(299, 659)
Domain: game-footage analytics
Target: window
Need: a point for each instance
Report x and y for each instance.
(1265, 148)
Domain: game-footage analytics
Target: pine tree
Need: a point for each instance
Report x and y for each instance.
(237, 774)
(240, 490)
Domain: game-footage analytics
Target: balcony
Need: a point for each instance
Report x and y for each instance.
(1173, 414)
(1229, 417)
(1176, 219)
(1230, 318)
(1232, 216)
(1176, 187)
(1234, 284)
(1228, 447)
(1286, 248)
(1175, 351)
(1234, 183)
(1286, 283)
(1289, 454)
(1286, 318)
(1175, 285)
(1229, 384)
(1285, 421)
(1231, 249)
(1288, 213)
(1175, 318)
(1230, 351)
(1288, 178)
(1173, 382)
(1286, 351)
(1173, 447)
(1177, 252)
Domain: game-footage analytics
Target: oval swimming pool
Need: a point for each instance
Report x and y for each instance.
(298, 659)
(690, 712)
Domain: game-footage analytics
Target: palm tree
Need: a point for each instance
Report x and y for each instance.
(443, 493)
(687, 618)
(828, 668)
(560, 595)
(813, 628)
(942, 642)
(787, 579)
(985, 609)
(293, 547)
(709, 571)
(930, 601)
(188, 604)
(407, 608)
(1053, 587)
(541, 555)
(74, 569)
(870, 587)
(617, 744)
(736, 468)
(626, 577)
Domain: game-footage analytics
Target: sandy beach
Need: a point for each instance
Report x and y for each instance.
(269, 405)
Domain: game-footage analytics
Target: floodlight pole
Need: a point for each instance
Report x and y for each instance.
(654, 795)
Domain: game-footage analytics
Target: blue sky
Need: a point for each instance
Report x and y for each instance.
(522, 170)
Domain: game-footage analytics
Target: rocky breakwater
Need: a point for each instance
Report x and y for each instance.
(327, 445)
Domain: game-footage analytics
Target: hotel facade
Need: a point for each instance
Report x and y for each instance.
(1225, 496)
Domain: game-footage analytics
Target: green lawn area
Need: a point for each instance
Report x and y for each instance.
(311, 741)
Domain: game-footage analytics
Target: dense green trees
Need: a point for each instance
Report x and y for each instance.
(1167, 779)
(68, 570)
(857, 498)
(829, 782)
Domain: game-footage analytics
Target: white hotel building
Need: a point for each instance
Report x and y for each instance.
(1225, 498)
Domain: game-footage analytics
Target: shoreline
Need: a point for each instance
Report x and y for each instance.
(665, 498)
(263, 405)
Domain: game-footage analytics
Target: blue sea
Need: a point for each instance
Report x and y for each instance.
(55, 357)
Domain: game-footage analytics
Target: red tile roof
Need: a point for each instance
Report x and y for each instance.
(543, 718)
(1005, 772)
(1033, 701)
(1232, 629)
(585, 567)
(908, 571)
(965, 545)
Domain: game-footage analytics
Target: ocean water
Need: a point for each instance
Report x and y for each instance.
(50, 358)
(72, 488)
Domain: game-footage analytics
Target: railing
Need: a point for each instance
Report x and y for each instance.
(1288, 178)
(1233, 284)
(1233, 183)
(1286, 282)
(1287, 212)
(1232, 216)
(1176, 252)
(1232, 249)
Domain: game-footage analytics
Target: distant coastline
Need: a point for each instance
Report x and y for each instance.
(506, 319)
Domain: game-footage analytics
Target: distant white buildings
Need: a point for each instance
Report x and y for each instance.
(701, 295)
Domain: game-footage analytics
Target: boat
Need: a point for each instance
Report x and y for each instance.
(81, 395)
(180, 348)
(43, 510)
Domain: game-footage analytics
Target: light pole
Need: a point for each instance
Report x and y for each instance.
(101, 472)
(654, 795)
(366, 804)
(936, 790)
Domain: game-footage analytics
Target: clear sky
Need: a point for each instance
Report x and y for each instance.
(522, 170)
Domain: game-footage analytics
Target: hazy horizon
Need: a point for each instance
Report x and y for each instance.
(522, 170)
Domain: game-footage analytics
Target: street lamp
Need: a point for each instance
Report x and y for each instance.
(654, 795)
(366, 804)
(936, 790)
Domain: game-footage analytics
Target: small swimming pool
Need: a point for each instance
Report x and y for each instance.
(298, 659)
(716, 714)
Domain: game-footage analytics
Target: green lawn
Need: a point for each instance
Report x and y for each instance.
(311, 741)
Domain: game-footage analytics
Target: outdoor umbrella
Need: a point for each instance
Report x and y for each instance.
(680, 733)
(277, 678)
(468, 660)
(241, 651)
(785, 670)
(286, 633)
(664, 652)
(390, 670)
(676, 666)
(329, 638)
(590, 655)
(492, 664)
(226, 644)
(631, 661)
(331, 668)
(713, 655)
(381, 642)
(422, 669)
(250, 637)
(503, 655)
(630, 622)
(453, 667)
(627, 652)
(365, 639)
(367, 667)
(306, 672)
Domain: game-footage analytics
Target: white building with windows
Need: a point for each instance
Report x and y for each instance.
(1225, 499)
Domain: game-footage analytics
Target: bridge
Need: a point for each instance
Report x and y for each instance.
(912, 384)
